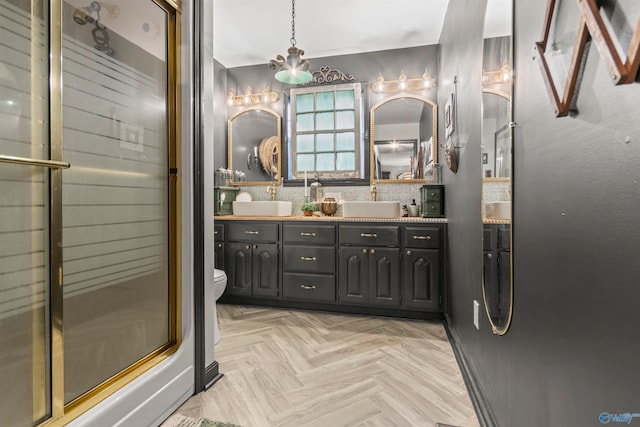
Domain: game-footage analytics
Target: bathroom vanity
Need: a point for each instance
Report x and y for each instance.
(391, 267)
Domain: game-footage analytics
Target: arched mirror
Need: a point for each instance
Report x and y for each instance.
(254, 146)
(497, 165)
(403, 139)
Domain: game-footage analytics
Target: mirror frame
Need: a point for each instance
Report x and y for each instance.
(434, 141)
(501, 329)
(230, 121)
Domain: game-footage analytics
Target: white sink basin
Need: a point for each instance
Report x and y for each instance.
(262, 208)
(498, 210)
(371, 209)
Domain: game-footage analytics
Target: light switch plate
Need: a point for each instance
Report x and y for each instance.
(476, 314)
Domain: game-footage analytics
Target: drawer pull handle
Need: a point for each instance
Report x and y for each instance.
(308, 234)
(308, 287)
(368, 235)
(215, 232)
(307, 258)
(421, 237)
(251, 232)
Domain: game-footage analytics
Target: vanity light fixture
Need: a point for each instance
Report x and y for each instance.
(293, 70)
(503, 75)
(250, 98)
(403, 84)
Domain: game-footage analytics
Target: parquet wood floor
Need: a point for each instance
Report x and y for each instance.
(302, 368)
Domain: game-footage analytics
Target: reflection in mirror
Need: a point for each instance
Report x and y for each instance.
(497, 165)
(403, 139)
(254, 141)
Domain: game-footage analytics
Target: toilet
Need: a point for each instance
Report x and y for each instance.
(219, 284)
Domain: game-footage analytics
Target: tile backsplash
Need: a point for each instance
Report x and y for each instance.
(402, 193)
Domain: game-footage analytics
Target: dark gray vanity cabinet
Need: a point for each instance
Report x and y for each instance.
(252, 259)
(497, 267)
(309, 262)
(219, 250)
(421, 261)
(369, 265)
(388, 268)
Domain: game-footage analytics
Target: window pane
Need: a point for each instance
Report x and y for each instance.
(304, 103)
(324, 142)
(304, 143)
(325, 101)
(345, 120)
(324, 121)
(345, 161)
(346, 141)
(304, 122)
(304, 162)
(326, 162)
(345, 99)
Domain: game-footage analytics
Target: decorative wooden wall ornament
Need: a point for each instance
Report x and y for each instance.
(622, 72)
(561, 105)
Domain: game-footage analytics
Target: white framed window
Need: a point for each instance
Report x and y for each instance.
(325, 132)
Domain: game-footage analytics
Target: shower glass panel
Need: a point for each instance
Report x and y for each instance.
(25, 365)
(115, 197)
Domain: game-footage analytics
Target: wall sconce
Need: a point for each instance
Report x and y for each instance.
(403, 84)
(250, 98)
(503, 75)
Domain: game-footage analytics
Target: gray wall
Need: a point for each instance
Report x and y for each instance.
(573, 346)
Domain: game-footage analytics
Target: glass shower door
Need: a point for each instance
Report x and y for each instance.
(25, 214)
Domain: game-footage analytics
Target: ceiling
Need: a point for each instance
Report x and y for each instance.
(250, 32)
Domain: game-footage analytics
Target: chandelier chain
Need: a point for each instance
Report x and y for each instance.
(293, 22)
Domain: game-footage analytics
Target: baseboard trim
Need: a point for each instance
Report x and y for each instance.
(482, 408)
(211, 375)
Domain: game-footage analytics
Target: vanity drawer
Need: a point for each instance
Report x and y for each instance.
(310, 259)
(362, 235)
(309, 287)
(422, 237)
(250, 231)
(218, 232)
(310, 234)
(504, 238)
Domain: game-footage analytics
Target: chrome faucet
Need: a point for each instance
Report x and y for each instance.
(374, 192)
(272, 190)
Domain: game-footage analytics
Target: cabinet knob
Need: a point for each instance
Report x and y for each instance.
(219, 245)
(489, 256)
(409, 253)
(364, 251)
(255, 246)
(248, 247)
(373, 251)
(308, 287)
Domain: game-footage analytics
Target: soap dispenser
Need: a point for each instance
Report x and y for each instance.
(413, 208)
(316, 193)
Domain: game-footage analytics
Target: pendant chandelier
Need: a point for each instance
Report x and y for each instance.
(295, 69)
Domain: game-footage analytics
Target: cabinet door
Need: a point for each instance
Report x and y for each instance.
(218, 256)
(421, 279)
(238, 269)
(504, 289)
(265, 280)
(352, 275)
(384, 276)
